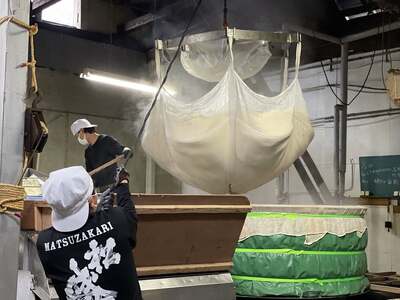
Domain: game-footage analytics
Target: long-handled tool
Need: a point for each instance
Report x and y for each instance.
(107, 198)
(116, 160)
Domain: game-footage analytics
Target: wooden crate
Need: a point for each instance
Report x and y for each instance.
(36, 216)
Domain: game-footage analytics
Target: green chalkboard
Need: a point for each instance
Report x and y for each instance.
(380, 175)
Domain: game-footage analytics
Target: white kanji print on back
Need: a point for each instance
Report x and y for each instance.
(95, 262)
(81, 286)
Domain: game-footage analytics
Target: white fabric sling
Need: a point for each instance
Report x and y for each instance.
(231, 140)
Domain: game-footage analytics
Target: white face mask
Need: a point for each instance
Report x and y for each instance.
(83, 141)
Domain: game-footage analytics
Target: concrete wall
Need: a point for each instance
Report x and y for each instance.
(66, 97)
(13, 87)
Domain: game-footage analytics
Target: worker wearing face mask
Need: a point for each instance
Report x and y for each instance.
(100, 149)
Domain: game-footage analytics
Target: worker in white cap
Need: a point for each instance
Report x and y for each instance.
(100, 149)
(88, 252)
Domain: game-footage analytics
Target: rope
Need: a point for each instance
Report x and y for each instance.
(32, 30)
(11, 198)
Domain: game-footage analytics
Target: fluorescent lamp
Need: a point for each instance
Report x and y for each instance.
(116, 80)
(363, 14)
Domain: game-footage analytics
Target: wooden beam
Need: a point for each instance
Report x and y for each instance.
(367, 201)
(192, 209)
(385, 288)
(181, 269)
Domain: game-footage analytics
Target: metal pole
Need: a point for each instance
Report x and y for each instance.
(316, 175)
(343, 118)
(284, 83)
(305, 178)
(150, 165)
(336, 121)
(150, 175)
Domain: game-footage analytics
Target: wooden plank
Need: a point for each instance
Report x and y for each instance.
(382, 274)
(176, 199)
(367, 201)
(385, 288)
(185, 209)
(181, 269)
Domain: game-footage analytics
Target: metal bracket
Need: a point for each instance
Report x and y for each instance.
(237, 34)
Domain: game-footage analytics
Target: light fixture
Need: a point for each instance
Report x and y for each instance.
(117, 80)
(363, 14)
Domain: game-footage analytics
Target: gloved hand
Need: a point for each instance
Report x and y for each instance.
(105, 200)
(122, 175)
(127, 152)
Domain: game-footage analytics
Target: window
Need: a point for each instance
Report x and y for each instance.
(64, 12)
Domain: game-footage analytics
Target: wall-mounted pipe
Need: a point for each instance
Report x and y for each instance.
(336, 121)
(350, 188)
(359, 115)
(344, 69)
(282, 194)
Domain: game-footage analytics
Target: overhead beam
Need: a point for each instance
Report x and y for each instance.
(39, 5)
(347, 39)
(371, 32)
(312, 33)
(168, 10)
(140, 21)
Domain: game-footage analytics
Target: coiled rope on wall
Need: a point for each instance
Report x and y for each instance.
(11, 198)
(32, 30)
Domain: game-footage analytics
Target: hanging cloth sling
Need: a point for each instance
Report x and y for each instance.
(231, 140)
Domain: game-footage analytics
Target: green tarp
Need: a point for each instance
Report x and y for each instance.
(286, 263)
(330, 242)
(258, 287)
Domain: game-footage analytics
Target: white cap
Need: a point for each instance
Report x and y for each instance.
(67, 191)
(80, 124)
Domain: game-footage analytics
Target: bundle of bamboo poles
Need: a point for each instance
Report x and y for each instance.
(11, 198)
